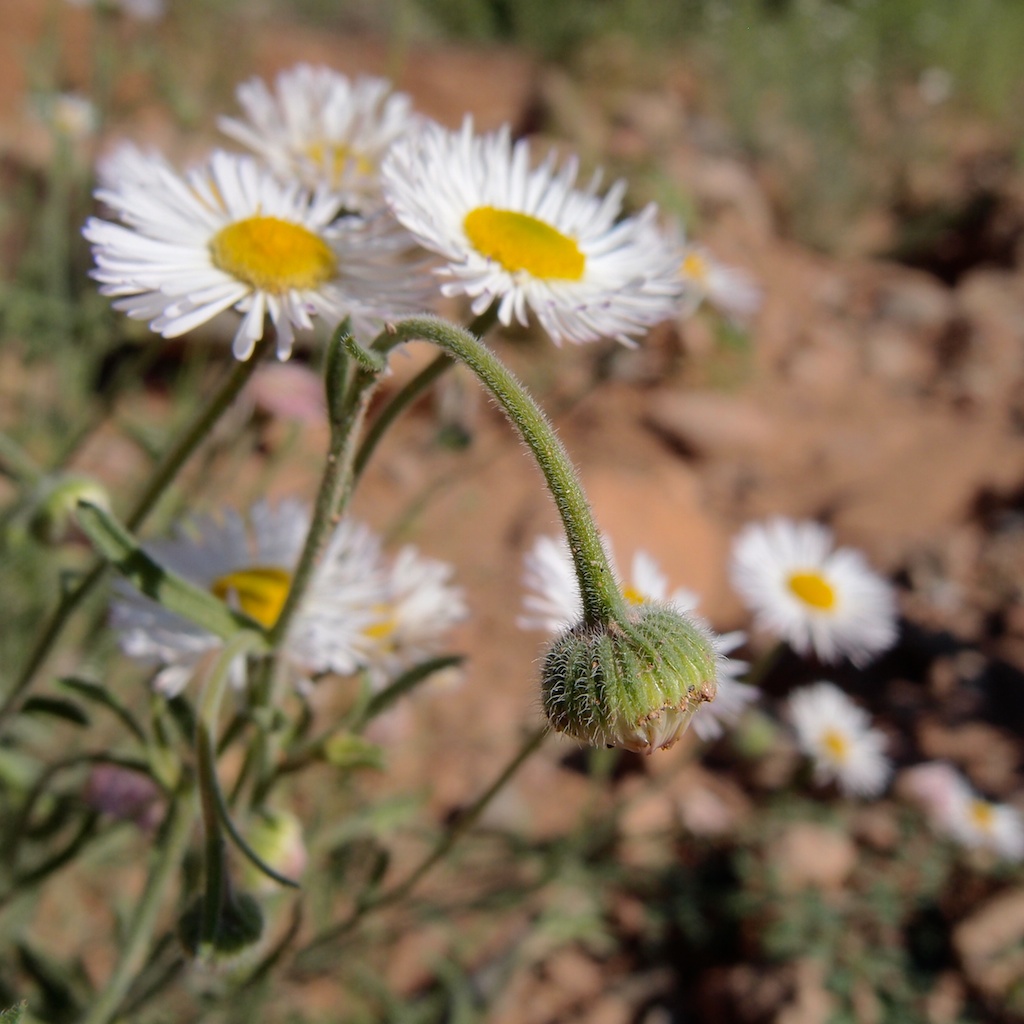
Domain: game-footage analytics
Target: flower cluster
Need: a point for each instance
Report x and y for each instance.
(349, 197)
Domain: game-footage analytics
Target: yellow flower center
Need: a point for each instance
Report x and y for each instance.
(273, 255)
(812, 588)
(521, 242)
(336, 158)
(260, 592)
(694, 267)
(632, 595)
(384, 628)
(836, 745)
(983, 815)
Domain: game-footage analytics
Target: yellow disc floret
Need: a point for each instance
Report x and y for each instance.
(836, 745)
(983, 815)
(273, 255)
(336, 158)
(520, 242)
(260, 592)
(813, 589)
(695, 267)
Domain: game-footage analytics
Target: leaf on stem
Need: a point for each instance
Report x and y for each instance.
(174, 593)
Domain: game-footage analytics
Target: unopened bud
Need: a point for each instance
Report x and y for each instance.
(276, 836)
(239, 926)
(52, 520)
(633, 683)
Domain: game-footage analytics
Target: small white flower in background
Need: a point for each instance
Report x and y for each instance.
(69, 114)
(552, 603)
(528, 239)
(837, 735)
(322, 128)
(935, 85)
(418, 607)
(731, 291)
(816, 597)
(141, 10)
(359, 612)
(955, 810)
(229, 235)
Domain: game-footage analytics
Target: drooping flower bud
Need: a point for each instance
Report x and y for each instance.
(634, 682)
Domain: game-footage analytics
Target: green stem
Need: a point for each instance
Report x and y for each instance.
(600, 593)
(161, 479)
(441, 849)
(210, 800)
(412, 390)
(170, 849)
(346, 413)
(16, 463)
(348, 398)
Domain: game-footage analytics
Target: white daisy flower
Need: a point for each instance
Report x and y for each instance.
(552, 602)
(529, 239)
(418, 607)
(248, 563)
(731, 291)
(957, 811)
(837, 735)
(229, 235)
(815, 597)
(321, 128)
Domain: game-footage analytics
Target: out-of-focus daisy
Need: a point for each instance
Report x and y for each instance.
(837, 735)
(69, 114)
(731, 291)
(528, 239)
(815, 597)
(552, 603)
(141, 10)
(957, 811)
(418, 607)
(248, 563)
(230, 235)
(324, 129)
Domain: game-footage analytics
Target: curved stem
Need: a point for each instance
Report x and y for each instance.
(602, 599)
(170, 848)
(161, 479)
(412, 390)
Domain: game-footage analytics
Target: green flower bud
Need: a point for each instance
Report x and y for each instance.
(239, 926)
(633, 683)
(52, 518)
(276, 836)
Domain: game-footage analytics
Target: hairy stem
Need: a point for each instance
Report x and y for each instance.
(602, 600)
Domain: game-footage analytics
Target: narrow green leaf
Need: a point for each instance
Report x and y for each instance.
(100, 695)
(13, 1015)
(409, 681)
(56, 707)
(175, 594)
